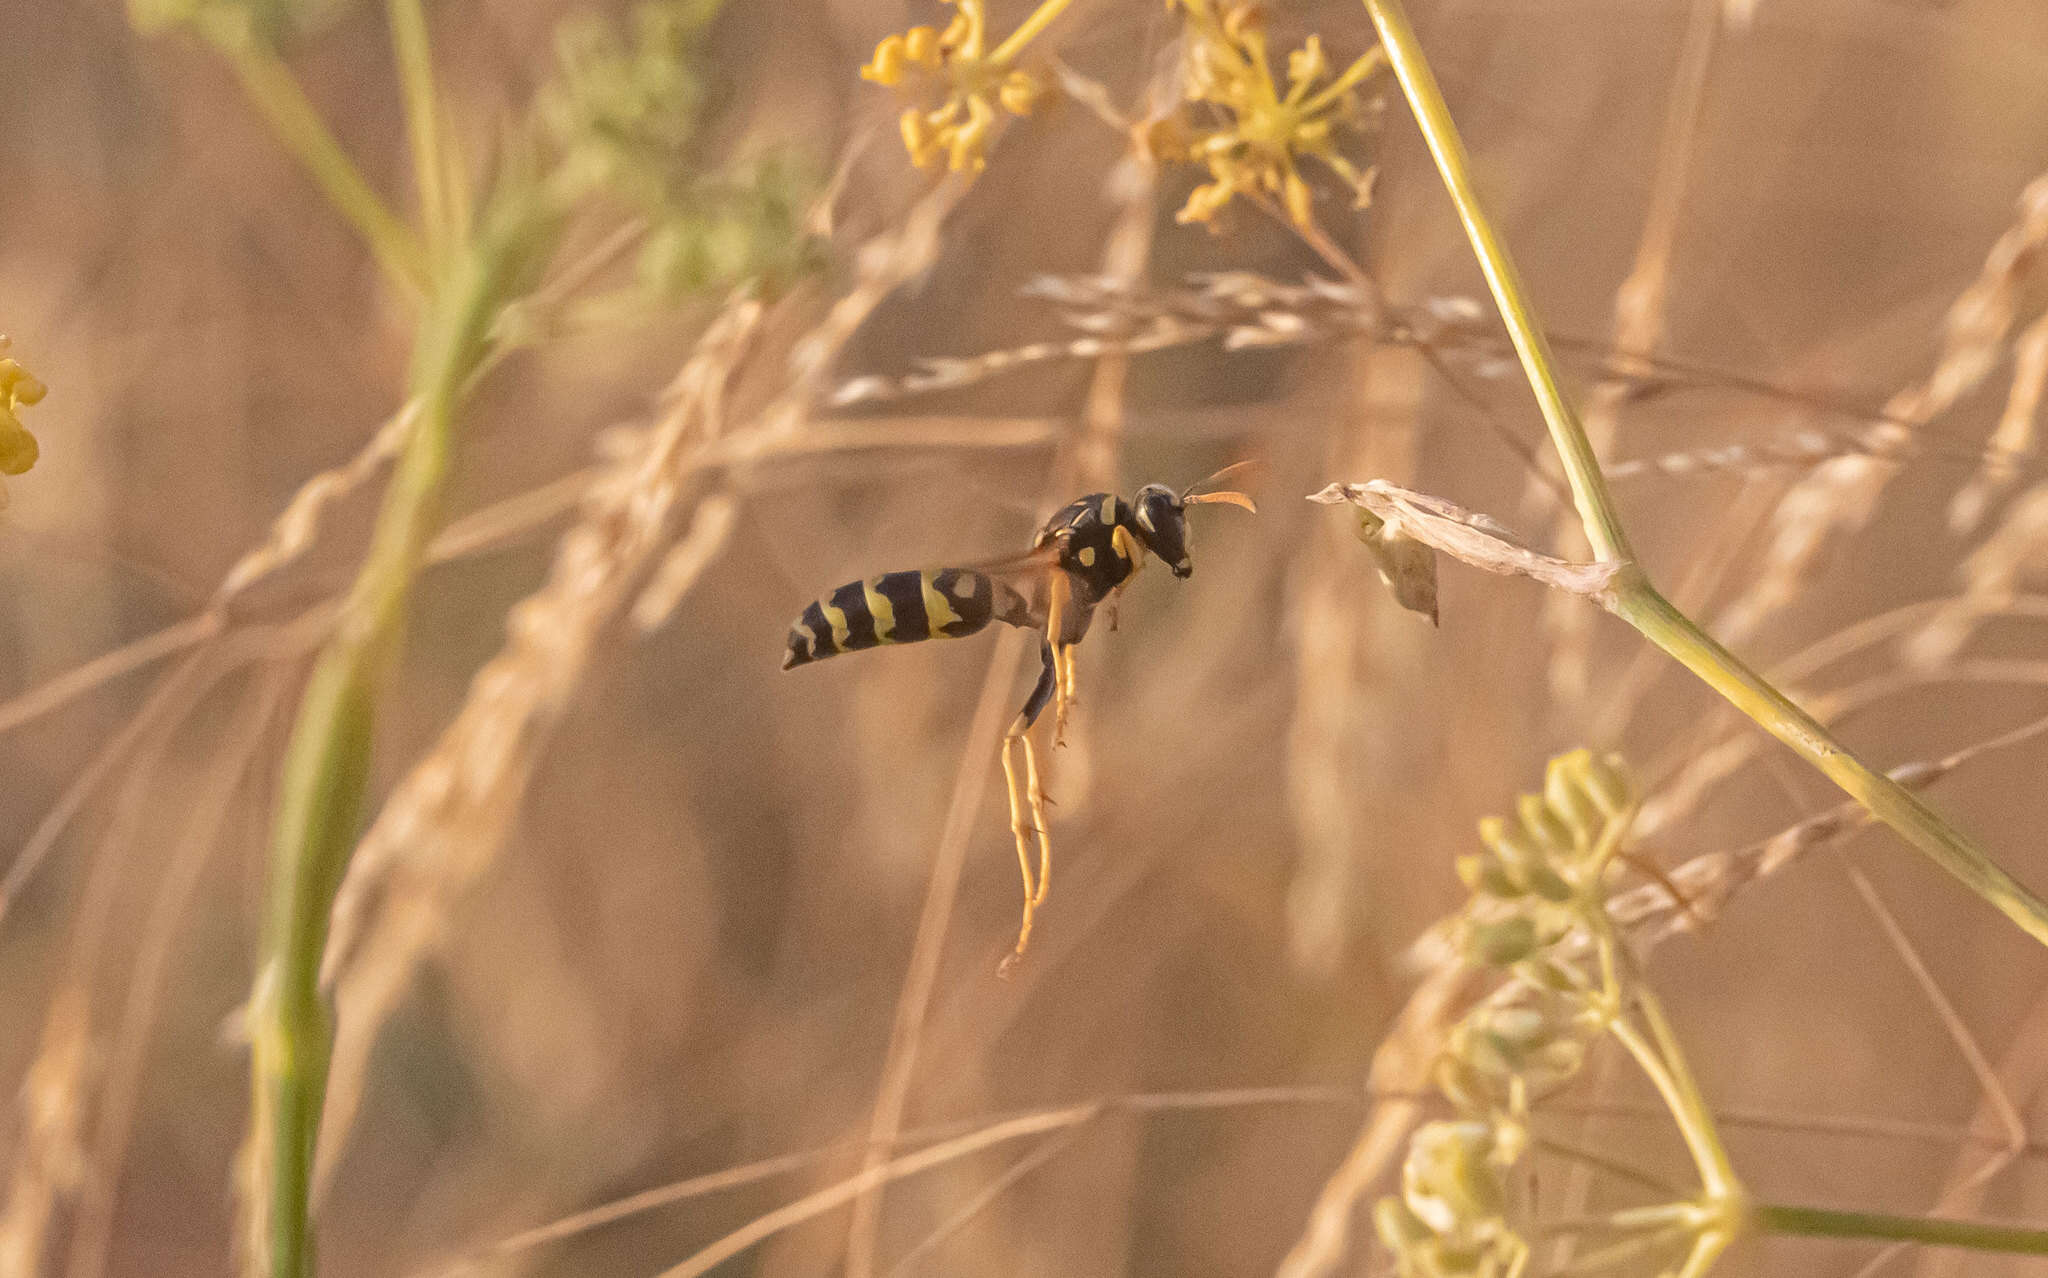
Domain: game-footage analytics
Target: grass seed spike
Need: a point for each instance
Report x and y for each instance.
(1083, 556)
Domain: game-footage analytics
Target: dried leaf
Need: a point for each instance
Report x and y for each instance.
(1404, 527)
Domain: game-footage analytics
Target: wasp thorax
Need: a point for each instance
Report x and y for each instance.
(1162, 525)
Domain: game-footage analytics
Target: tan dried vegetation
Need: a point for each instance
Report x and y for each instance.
(438, 411)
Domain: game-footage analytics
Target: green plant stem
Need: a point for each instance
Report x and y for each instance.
(1706, 1249)
(1639, 604)
(1700, 1140)
(1028, 30)
(413, 52)
(275, 92)
(1820, 1222)
(1631, 596)
(1694, 1118)
(326, 763)
(1574, 449)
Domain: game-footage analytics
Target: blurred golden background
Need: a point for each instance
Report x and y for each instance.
(679, 935)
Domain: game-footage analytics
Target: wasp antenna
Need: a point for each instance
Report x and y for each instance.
(1232, 469)
(1227, 498)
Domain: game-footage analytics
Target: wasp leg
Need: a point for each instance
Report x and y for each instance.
(1029, 799)
(1127, 546)
(1059, 597)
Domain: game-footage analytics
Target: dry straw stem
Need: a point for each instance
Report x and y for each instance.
(934, 1133)
(1638, 316)
(1084, 460)
(49, 1161)
(447, 819)
(1991, 578)
(2013, 441)
(1696, 769)
(1841, 496)
(442, 827)
(1630, 595)
(186, 862)
(1042, 1123)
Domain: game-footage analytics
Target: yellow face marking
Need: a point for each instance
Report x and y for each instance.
(837, 619)
(1145, 519)
(1087, 556)
(882, 611)
(938, 613)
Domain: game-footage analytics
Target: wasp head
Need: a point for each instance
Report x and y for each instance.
(1162, 525)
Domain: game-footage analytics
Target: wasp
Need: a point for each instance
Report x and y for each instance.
(1082, 557)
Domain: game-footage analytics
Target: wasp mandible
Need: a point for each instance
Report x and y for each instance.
(1082, 557)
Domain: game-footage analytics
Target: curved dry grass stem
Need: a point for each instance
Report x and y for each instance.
(984, 1198)
(327, 759)
(1043, 1122)
(1841, 496)
(50, 1156)
(446, 821)
(1639, 320)
(2022, 1072)
(913, 1001)
(1991, 579)
(1630, 595)
(127, 1055)
(1991, 1091)
(1091, 459)
(2013, 441)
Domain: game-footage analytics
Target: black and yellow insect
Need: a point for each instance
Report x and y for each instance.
(1081, 558)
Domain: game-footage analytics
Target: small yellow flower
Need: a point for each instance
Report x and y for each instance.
(18, 449)
(955, 68)
(1250, 134)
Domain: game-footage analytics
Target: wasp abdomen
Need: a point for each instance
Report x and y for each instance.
(898, 607)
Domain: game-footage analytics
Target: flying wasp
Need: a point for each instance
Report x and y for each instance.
(1083, 557)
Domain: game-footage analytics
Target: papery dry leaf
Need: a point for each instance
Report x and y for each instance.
(1408, 520)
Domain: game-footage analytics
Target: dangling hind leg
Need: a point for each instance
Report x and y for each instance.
(1059, 598)
(1029, 800)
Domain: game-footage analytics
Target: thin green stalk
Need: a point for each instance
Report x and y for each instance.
(1700, 1140)
(1660, 621)
(276, 93)
(1622, 1252)
(1631, 596)
(1820, 1222)
(1426, 100)
(1706, 1249)
(413, 52)
(1028, 30)
(1695, 1119)
(326, 763)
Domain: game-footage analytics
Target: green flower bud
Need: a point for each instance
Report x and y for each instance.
(1546, 827)
(1564, 784)
(1503, 942)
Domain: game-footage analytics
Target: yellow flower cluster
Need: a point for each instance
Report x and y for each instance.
(1257, 135)
(973, 79)
(18, 449)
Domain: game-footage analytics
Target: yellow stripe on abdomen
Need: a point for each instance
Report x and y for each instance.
(883, 612)
(837, 620)
(938, 610)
